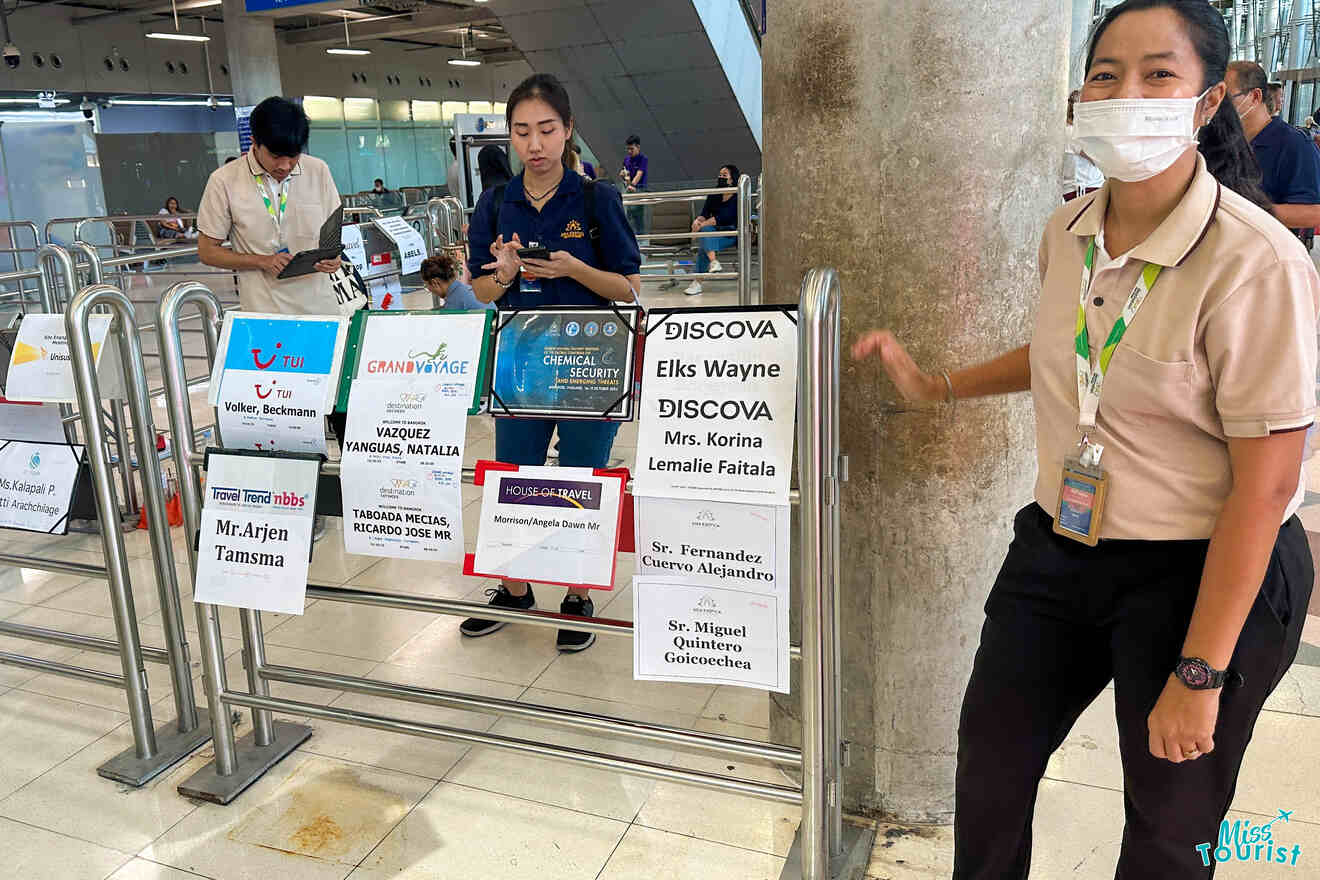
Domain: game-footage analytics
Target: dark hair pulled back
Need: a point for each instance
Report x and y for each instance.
(545, 87)
(1227, 154)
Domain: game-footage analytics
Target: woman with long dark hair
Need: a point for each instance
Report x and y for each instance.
(719, 213)
(593, 261)
(1172, 367)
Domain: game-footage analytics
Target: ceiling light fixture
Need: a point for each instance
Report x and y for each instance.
(30, 100)
(175, 35)
(462, 45)
(186, 38)
(347, 48)
(134, 102)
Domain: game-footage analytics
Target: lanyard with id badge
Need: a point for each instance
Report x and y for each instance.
(1084, 482)
(275, 207)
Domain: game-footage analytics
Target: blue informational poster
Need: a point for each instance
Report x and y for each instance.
(565, 363)
(243, 116)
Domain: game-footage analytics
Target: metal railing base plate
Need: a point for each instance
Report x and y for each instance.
(252, 763)
(171, 748)
(851, 864)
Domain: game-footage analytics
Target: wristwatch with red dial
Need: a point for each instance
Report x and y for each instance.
(1198, 675)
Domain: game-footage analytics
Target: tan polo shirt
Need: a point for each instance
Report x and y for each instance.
(1224, 346)
(232, 208)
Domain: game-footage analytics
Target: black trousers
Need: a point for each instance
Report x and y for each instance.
(1061, 621)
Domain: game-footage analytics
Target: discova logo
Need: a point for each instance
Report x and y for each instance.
(1241, 841)
(419, 363)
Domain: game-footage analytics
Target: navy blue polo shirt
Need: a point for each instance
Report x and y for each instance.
(1289, 164)
(560, 225)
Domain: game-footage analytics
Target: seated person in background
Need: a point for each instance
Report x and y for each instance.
(446, 277)
(378, 187)
(177, 227)
(719, 213)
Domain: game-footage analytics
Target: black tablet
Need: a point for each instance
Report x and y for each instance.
(330, 245)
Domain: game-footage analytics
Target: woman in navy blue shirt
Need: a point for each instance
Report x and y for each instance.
(545, 205)
(719, 213)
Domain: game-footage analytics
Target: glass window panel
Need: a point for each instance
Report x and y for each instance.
(433, 155)
(366, 161)
(329, 145)
(323, 110)
(449, 108)
(399, 150)
(360, 110)
(499, 108)
(395, 111)
(479, 107)
(426, 111)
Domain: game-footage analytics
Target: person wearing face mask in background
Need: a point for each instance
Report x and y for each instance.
(1289, 161)
(1172, 368)
(720, 212)
(1079, 175)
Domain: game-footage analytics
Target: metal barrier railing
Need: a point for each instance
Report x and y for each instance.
(154, 749)
(238, 764)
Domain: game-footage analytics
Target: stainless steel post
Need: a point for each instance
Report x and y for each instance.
(254, 650)
(818, 461)
(745, 241)
(118, 409)
(190, 494)
(760, 239)
(237, 764)
(112, 541)
(185, 736)
(50, 257)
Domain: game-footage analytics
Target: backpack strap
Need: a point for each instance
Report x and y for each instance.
(498, 195)
(593, 223)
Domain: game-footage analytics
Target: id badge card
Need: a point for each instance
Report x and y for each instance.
(1081, 502)
(528, 285)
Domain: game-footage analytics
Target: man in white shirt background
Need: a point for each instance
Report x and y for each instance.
(270, 204)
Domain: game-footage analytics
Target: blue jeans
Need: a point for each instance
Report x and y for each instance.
(715, 244)
(581, 443)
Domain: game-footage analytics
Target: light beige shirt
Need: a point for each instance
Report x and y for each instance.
(1224, 346)
(232, 208)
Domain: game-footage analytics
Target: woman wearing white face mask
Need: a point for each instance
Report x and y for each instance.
(1172, 367)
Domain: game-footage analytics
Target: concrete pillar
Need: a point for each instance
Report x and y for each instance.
(254, 58)
(915, 148)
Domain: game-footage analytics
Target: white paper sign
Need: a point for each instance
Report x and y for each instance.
(708, 635)
(402, 473)
(403, 451)
(440, 352)
(550, 525)
(741, 552)
(256, 534)
(36, 485)
(41, 368)
(275, 378)
(718, 400)
(740, 546)
(33, 422)
(354, 249)
(412, 249)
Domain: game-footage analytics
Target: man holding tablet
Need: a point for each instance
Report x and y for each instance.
(270, 205)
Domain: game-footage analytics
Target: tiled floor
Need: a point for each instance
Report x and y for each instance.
(354, 802)
(363, 804)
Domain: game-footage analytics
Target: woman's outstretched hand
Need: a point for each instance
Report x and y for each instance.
(903, 371)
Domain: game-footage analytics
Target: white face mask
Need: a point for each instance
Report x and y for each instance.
(1133, 139)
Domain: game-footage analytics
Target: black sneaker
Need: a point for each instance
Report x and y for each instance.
(569, 639)
(499, 598)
